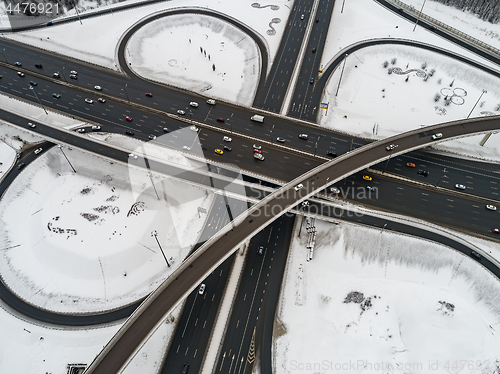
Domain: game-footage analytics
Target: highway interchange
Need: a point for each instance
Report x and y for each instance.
(282, 164)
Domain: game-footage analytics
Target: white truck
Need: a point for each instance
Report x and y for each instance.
(257, 118)
(259, 156)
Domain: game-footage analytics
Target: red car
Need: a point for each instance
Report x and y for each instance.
(496, 231)
(128, 118)
(149, 94)
(257, 150)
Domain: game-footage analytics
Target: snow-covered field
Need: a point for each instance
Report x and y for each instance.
(370, 299)
(85, 242)
(199, 53)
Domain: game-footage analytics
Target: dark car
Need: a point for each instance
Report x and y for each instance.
(331, 154)
(19, 154)
(260, 250)
(21, 165)
(33, 83)
(314, 50)
(425, 173)
(311, 80)
(185, 369)
(220, 119)
(226, 148)
(476, 255)
(73, 76)
(18, 63)
(39, 66)
(56, 95)
(129, 132)
(317, 20)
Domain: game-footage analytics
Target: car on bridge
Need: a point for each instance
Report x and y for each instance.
(219, 151)
(17, 63)
(202, 289)
(73, 76)
(211, 101)
(437, 136)
(424, 173)
(149, 94)
(56, 95)
(311, 80)
(314, 50)
(280, 139)
(460, 186)
(255, 146)
(181, 112)
(491, 207)
(194, 104)
(220, 119)
(303, 136)
(33, 83)
(410, 164)
(227, 139)
(21, 165)
(38, 150)
(39, 66)
(495, 231)
(298, 187)
(128, 118)
(334, 189)
(391, 147)
(101, 100)
(56, 75)
(226, 148)
(331, 153)
(81, 131)
(476, 255)
(367, 178)
(98, 88)
(260, 250)
(20, 73)
(32, 125)
(89, 101)
(96, 128)
(74, 72)
(255, 150)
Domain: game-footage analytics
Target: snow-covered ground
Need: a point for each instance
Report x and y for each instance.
(85, 242)
(199, 53)
(464, 21)
(370, 298)
(7, 158)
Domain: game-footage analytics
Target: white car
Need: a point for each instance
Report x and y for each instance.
(460, 186)
(298, 187)
(89, 101)
(437, 136)
(491, 207)
(73, 72)
(202, 289)
(334, 190)
(255, 146)
(98, 88)
(96, 128)
(303, 136)
(227, 139)
(194, 128)
(37, 151)
(390, 147)
(193, 104)
(81, 131)
(32, 125)
(186, 148)
(181, 112)
(131, 155)
(211, 101)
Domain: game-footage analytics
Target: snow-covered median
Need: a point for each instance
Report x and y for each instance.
(198, 53)
(86, 242)
(371, 299)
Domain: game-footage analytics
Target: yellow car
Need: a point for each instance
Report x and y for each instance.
(219, 151)
(367, 178)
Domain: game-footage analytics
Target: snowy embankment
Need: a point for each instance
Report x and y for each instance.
(372, 299)
(89, 241)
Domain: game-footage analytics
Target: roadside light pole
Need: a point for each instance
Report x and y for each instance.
(382, 230)
(389, 159)
(5, 58)
(443, 176)
(303, 206)
(482, 93)
(126, 93)
(32, 88)
(66, 157)
(419, 15)
(155, 234)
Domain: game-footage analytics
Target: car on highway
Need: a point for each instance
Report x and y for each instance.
(39, 66)
(128, 118)
(19, 154)
(201, 290)
(194, 104)
(181, 112)
(96, 128)
(38, 150)
(166, 129)
(186, 148)
(367, 178)
(101, 100)
(194, 128)
(424, 173)
(476, 255)
(149, 94)
(255, 146)
(56, 75)
(211, 101)
(390, 147)
(131, 155)
(98, 88)
(369, 188)
(220, 119)
(331, 153)
(56, 95)
(17, 63)
(302, 17)
(495, 231)
(317, 20)
(260, 250)
(152, 137)
(491, 207)
(280, 139)
(460, 186)
(227, 139)
(185, 369)
(73, 76)
(311, 80)
(20, 73)
(314, 50)
(32, 125)
(74, 72)
(303, 136)
(89, 101)
(437, 136)
(226, 148)
(33, 83)
(410, 164)
(255, 150)
(219, 151)
(81, 131)
(21, 165)
(298, 187)
(129, 132)
(334, 189)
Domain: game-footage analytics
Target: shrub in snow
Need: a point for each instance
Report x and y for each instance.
(431, 73)
(426, 77)
(424, 65)
(481, 104)
(437, 97)
(439, 81)
(213, 67)
(386, 64)
(447, 101)
(451, 84)
(497, 109)
(393, 61)
(389, 71)
(407, 78)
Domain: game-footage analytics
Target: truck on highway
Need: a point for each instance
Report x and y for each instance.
(257, 118)
(259, 156)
